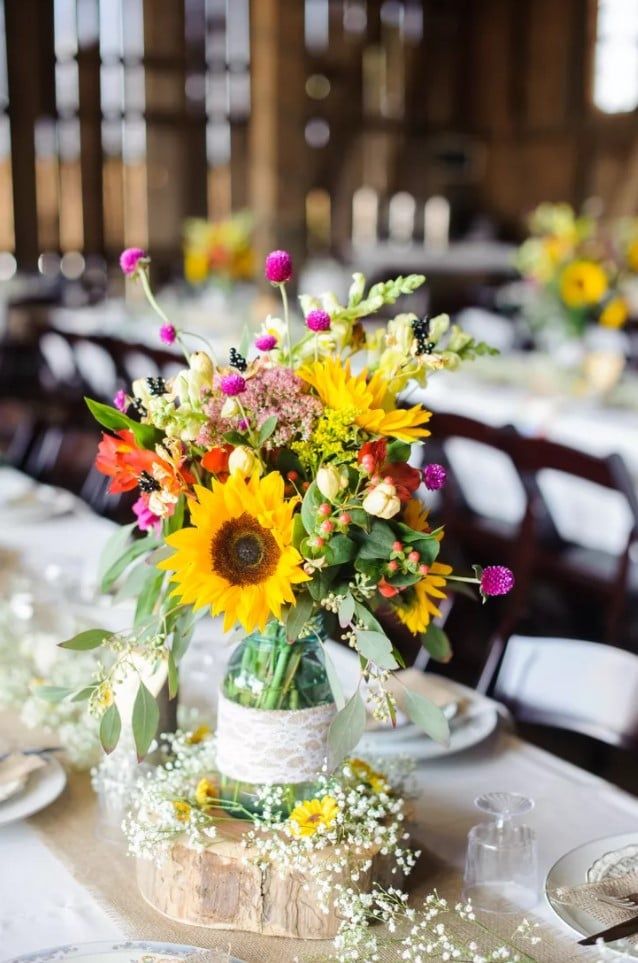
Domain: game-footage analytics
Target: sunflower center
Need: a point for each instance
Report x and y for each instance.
(243, 552)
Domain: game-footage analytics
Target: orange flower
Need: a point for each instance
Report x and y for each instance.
(120, 457)
(216, 461)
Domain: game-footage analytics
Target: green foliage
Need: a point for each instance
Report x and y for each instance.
(435, 641)
(427, 716)
(110, 728)
(297, 615)
(267, 429)
(53, 693)
(84, 641)
(378, 543)
(145, 435)
(309, 506)
(376, 647)
(346, 609)
(346, 729)
(144, 720)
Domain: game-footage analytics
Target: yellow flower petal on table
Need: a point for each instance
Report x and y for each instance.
(206, 793)
(583, 283)
(182, 811)
(238, 557)
(338, 388)
(418, 612)
(309, 817)
(614, 314)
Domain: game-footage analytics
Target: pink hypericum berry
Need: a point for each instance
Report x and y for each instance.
(168, 333)
(496, 580)
(325, 509)
(318, 320)
(130, 259)
(393, 565)
(232, 384)
(120, 401)
(414, 557)
(316, 541)
(397, 546)
(265, 342)
(345, 518)
(292, 476)
(434, 477)
(424, 569)
(375, 480)
(327, 527)
(278, 267)
(368, 464)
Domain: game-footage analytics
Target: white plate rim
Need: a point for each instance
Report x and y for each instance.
(578, 920)
(80, 950)
(58, 778)
(423, 749)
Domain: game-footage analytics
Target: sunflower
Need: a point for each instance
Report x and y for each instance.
(238, 555)
(614, 314)
(206, 793)
(310, 817)
(420, 609)
(583, 283)
(338, 388)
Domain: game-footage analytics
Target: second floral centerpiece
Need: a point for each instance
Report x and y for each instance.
(275, 490)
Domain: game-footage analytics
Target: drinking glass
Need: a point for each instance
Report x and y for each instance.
(501, 865)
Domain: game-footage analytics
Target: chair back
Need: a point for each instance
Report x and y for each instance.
(582, 687)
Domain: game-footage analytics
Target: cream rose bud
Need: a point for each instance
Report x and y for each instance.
(201, 363)
(330, 481)
(242, 461)
(230, 408)
(140, 390)
(382, 501)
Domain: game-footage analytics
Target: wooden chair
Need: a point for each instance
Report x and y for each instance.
(581, 687)
(587, 569)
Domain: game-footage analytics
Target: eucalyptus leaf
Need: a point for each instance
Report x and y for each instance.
(333, 679)
(85, 641)
(267, 429)
(346, 729)
(148, 596)
(346, 609)
(427, 716)
(173, 677)
(435, 641)
(110, 728)
(140, 547)
(83, 694)
(144, 720)
(113, 548)
(365, 615)
(134, 582)
(376, 647)
(53, 693)
(297, 616)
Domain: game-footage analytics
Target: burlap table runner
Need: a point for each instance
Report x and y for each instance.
(70, 829)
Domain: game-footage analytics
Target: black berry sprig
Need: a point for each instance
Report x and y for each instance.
(147, 483)
(156, 386)
(421, 330)
(237, 360)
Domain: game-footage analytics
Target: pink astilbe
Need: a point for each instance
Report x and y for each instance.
(270, 391)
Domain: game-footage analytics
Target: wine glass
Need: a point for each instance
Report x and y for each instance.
(501, 865)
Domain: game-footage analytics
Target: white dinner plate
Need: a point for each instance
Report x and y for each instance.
(465, 733)
(589, 862)
(135, 951)
(42, 787)
(13, 486)
(35, 503)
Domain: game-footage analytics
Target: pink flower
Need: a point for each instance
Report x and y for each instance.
(130, 259)
(232, 384)
(265, 342)
(434, 476)
(146, 520)
(168, 333)
(278, 267)
(496, 580)
(120, 400)
(318, 320)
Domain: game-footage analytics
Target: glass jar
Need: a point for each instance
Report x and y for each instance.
(288, 681)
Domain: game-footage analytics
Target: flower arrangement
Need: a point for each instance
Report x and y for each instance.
(219, 249)
(274, 489)
(578, 270)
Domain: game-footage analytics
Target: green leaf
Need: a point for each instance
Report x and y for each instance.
(346, 729)
(144, 720)
(148, 596)
(140, 547)
(145, 435)
(334, 680)
(399, 451)
(52, 693)
(309, 506)
(134, 582)
(83, 694)
(110, 728)
(173, 677)
(365, 615)
(376, 647)
(340, 549)
(321, 582)
(298, 530)
(435, 641)
(346, 609)
(246, 338)
(176, 521)
(235, 438)
(84, 641)
(297, 616)
(378, 544)
(113, 548)
(357, 288)
(159, 555)
(427, 716)
(182, 626)
(267, 429)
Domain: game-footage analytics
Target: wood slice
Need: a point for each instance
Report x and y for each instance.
(222, 889)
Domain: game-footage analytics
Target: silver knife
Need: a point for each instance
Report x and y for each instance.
(617, 932)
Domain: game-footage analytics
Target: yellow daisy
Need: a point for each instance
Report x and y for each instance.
(198, 735)
(365, 773)
(614, 314)
(238, 555)
(375, 409)
(182, 810)
(206, 793)
(632, 255)
(307, 818)
(582, 284)
(418, 612)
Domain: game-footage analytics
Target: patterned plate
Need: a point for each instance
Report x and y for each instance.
(618, 862)
(129, 952)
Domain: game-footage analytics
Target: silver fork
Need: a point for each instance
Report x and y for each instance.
(622, 902)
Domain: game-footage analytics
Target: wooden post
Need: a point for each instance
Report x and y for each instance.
(278, 168)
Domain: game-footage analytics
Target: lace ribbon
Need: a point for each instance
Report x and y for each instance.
(272, 746)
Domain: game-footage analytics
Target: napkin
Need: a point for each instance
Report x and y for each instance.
(14, 772)
(588, 898)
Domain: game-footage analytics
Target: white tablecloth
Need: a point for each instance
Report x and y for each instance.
(42, 905)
